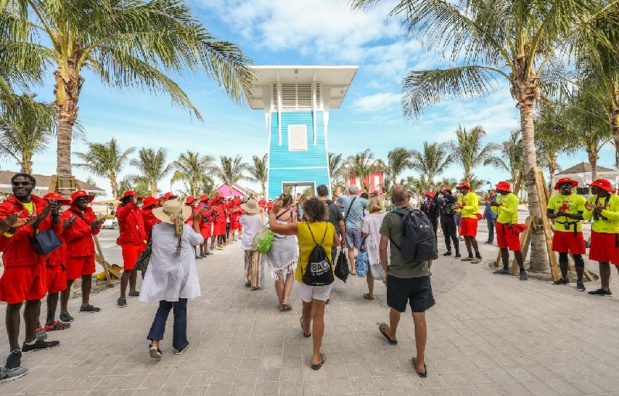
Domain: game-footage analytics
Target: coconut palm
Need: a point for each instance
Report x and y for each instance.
(468, 149)
(26, 127)
(398, 160)
(520, 42)
(417, 185)
(510, 156)
(127, 43)
(152, 168)
(105, 160)
(140, 187)
(259, 171)
(337, 168)
(192, 168)
(447, 182)
(432, 161)
(230, 170)
(362, 165)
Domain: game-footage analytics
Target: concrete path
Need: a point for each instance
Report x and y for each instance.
(488, 335)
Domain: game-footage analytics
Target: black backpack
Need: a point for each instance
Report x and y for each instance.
(418, 239)
(318, 271)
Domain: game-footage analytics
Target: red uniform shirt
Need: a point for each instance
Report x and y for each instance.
(149, 220)
(78, 237)
(219, 210)
(131, 224)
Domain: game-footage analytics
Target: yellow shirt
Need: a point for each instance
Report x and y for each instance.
(608, 221)
(572, 204)
(30, 208)
(470, 205)
(306, 243)
(508, 211)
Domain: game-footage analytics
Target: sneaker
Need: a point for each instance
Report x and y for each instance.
(601, 292)
(502, 271)
(580, 286)
(523, 275)
(121, 302)
(38, 345)
(90, 308)
(65, 317)
(457, 255)
(154, 352)
(14, 360)
(7, 375)
(41, 333)
(219, 248)
(447, 253)
(561, 281)
(180, 351)
(476, 260)
(470, 258)
(489, 242)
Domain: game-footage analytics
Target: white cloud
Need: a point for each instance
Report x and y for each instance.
(377, 102)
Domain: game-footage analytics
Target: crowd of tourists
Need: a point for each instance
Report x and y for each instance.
(45, 250)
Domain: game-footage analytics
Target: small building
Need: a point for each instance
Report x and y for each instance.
(43, 184)
(373, 182)
(296, 101)
(583, 175)
(235, 191)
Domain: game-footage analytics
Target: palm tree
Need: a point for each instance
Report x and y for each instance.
(140, 187)
(259, 171)
(362, 165)
(468, 150)
(447, 182)
(523, 43)
(152, 168)
(230, 170)
(398, 160)
(417, 185)
(510, 156)
(105, 160)
(192, 168)
(26, 127)
(432, 161)
(132, 43)
(337, 168)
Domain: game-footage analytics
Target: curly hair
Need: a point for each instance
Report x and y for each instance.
(315, 210)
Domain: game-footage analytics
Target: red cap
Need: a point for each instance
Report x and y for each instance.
(447, 189)
(430, 194)
(503, 186)
(204, 197)
(56, 196)
(464, 185)
(81, 193)
(603, 184)
(189, 200)
(128, 193)
(169, 195)
(149, 201)
(565, 180)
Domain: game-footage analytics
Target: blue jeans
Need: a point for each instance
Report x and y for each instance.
(179, 336)
(490, 229)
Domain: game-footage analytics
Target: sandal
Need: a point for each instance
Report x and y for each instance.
(57, 325)
(286, 306)
(368, 296)
(248, 284)
(319, 365)
(383, 330)
(303, 329)
(422, 375)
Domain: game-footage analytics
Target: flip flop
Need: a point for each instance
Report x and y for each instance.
(319, 365)
(368, 297)
(381, 327)
(57, 325)
(286, 306)
(422, 375)
(304, 333)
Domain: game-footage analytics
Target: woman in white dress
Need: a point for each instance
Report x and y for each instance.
(254, 262)
(284, 253)
(370, 227)
(172, 277)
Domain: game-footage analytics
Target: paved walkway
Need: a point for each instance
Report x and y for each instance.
(488, 335)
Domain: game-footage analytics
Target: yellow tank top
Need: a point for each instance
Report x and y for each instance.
(306, 243)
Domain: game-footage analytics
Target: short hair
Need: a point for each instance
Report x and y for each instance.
(322, 190)
(25, 175)
(374, 204)
(365, 195)
(399, 195)
(353, 190)
(125, 201)
(315, 210)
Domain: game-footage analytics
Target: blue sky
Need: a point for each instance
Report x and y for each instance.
(292, 32)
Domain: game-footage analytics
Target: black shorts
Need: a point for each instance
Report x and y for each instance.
(417, 291)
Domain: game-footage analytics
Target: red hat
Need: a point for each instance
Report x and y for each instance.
(447, 189)
(204, 197)
(56, 196)
(464, 185)
(129, 193)
(81, 193)
(565, 180)
(169, 195)
(149, 201)
(189, 200)
(603, 184)
(503, 186)
(430, 194)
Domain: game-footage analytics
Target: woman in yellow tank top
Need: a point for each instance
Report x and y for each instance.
(316, 228)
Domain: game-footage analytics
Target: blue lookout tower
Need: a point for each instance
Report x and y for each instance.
(296, 101)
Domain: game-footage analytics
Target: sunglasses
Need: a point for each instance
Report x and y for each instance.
(21, 183)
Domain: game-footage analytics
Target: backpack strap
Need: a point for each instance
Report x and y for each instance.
(402, 212)
(312, 234)
(350, 207)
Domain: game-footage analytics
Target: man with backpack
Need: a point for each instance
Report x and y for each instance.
(408, 277)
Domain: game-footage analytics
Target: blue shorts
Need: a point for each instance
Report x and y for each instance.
(354, 237)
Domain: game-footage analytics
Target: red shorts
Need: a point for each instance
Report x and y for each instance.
(23, 283)
(468, 227)
(235, 225)
(79, 266)
(564, 241)
(56, 279)
(219, 229)
(130, 255)
(603, 248)
(507, 238)
(206, 231)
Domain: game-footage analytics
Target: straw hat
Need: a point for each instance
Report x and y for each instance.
(251, 206)
(172, 210)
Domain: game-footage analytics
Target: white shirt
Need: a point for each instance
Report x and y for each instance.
(371, 225)
(251, 225)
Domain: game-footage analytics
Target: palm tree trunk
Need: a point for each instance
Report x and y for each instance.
(526, 93)
(114, 184)
(67, 91)
(593, 160)
(614, 126)
(26, 163)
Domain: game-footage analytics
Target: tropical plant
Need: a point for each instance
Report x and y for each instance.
(432, 160)
(398, 161)
(230, 170)
(362, 165)
(337, 169)
(129, 43)
(447, 182)
(152, 168)
(26, 127)
(140, 187)
(259, 171)
(105, 160)
(476, 183)
(523, 42)
(192, 168)
(417, 185)
(510, 156)
(468, 149)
